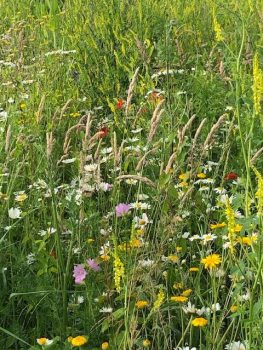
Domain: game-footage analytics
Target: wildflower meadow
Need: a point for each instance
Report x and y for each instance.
(131, 175)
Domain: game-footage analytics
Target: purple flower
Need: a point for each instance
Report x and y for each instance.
(93, 265)
(122, 209)
(79, 273)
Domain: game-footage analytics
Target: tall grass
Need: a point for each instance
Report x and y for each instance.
(156, 105)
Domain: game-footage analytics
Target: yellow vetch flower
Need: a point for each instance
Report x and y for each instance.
(183, 184)
(218, 225)
(90, 240)
(211, 261)
(135, 243)
(75, 114)
(141, 304)
(199, 322)
(179, 298)
(22, 105)
(79, 340)
(179, 249)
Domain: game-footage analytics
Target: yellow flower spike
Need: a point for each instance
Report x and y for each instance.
(230, 214)
(257, 84)
(159, 300)
(199, 322)
(118, 272)
(217, 28)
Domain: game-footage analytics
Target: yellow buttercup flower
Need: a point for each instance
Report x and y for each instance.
(173, 258)
(194, 269)
(211, 261)
(179, 298)
(186, 292)
(233, 308)
(201, 176)
(199, 322)
(79, 340)
(218, 225)
(105, 345)
(146, 343)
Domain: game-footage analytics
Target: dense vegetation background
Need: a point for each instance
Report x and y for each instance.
(167, 93)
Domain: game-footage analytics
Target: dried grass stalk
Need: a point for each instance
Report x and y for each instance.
(8, 138)
(197, 133)
(130, 90)
(155, 120)
(64, 108)
(40, 109)
(87, 132)
(181, 134)
(50, 143)
(139, 178)
(213, 130)
(256, 155)
(170, 162)
(143, 158)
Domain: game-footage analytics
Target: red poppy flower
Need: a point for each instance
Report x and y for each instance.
(120, 103)
(103, 132)
(231, 176)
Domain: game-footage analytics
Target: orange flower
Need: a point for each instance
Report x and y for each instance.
(120, 103)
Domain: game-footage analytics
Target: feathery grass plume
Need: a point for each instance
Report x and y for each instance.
(170, 162)
(8, 138)
(217, 28)
(259, 193)
(159, 300)
(213, 130)
(87, 132)
(130, 90)
(40, 109)
(230, 215)
(143, 158)
(256, 155)
(119, 271)
(155, 120)
(64, 108)
(181, 134)
(139, 178)
(197, 133)
(257, 84)
(50, 143)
